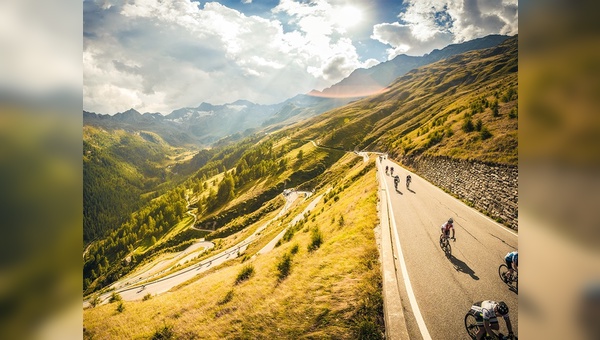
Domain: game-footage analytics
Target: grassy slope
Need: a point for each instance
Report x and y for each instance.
(430, 99)
(333, 292)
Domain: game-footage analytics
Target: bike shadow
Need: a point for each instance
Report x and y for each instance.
(400, 192)
(462, 267)
(411, 190)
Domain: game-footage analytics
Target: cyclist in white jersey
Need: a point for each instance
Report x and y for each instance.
(486, 313)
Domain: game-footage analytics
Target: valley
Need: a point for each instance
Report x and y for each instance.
(279, 231)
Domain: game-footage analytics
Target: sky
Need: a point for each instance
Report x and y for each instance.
(162, 55)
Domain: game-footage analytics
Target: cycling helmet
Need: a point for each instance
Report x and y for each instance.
(502, 308)
(450, 220)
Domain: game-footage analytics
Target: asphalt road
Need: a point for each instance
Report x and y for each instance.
(445, 287)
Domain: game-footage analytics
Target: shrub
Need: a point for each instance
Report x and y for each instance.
(228, 297)
(294, 249)
(478, 125)
(94, 300)
(468, 125)
(512, 113)
(284, 267)
(368, 330)
(485, 133)
(245, 274)
(166, 332)
(147, 297)
(510, 94)
(114, 297)
(434, 138)
(120, 307)
(316, 240)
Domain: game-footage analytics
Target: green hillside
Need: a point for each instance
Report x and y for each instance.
(155, 200)
(227, 194)
(462, 107)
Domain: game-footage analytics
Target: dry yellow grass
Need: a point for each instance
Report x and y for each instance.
(330, 292)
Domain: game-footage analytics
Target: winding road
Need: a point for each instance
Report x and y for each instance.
(131, 289)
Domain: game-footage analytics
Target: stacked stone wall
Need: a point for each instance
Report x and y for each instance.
(490, 188)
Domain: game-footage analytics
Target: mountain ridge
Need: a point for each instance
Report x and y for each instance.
(381, 75)
(206, 124)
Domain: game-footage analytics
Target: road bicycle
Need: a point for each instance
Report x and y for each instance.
(445, 244)
(510, 280)
(473, 328)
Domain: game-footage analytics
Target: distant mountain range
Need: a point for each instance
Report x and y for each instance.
(207, 123)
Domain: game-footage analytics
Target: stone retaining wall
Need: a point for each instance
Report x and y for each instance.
(490, 188)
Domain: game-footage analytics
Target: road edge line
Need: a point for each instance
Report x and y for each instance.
(395, 322)
(411, 295)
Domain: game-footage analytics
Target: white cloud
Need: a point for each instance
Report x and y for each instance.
(160, 56)
(429, 24)
(402, 39)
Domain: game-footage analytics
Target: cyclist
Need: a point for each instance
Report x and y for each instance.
(392, 171)
(396, 181)
(446, 227)
(512, 262)
(486, 313)
(408, 179)
(386, 169)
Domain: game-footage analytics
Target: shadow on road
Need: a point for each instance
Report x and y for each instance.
(411, 190)
(400, 192)
(462, 267)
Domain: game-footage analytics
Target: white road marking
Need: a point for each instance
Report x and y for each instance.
(407, 284)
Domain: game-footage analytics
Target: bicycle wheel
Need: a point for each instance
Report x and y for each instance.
(515, 281)
(503, 271)
(471, 325)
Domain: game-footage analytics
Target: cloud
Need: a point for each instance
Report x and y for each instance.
(157, 57)
(403, 40)
(428, 24)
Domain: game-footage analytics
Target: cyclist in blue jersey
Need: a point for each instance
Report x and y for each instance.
(512, 262)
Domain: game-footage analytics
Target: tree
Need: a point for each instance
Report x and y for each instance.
(226, 189)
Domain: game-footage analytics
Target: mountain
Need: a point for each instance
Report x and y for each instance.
(118, 168)
(363, 82)
(461, 107)
(464, 106)
(206, 124)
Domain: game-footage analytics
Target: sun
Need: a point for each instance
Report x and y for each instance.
(348, 16)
